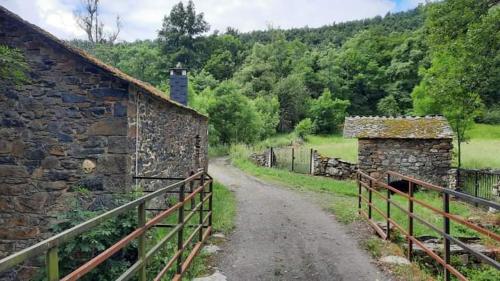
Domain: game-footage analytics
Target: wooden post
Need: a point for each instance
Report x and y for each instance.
(52, 261)
(293, 159)
(141, 247)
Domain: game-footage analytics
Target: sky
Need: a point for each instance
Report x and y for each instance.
(142, 18)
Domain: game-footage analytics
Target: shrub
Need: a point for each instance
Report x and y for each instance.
(304, 128)
(490, 116)
(327, 113)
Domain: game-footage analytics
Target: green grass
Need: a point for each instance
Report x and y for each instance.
(335, 146)
(344, 196)
(224, 210)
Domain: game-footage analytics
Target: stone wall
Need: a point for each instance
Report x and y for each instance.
(262, 159)
(75, 125)
(333, 167)
(170, 142)
(425, 159)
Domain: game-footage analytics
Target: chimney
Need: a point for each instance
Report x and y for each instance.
(178, 84)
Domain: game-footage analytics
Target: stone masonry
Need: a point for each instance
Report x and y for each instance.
(333, 167)
(419, 147)
(79, 123)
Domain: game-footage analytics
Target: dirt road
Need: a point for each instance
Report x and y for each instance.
(282, 235)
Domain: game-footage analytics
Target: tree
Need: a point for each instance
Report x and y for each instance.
(220, 65)
(304, 128)
(389, 106)
(327, 113)
(88, 19)
(233, 115)
(268, 108)
(294, 99)
(179, 33)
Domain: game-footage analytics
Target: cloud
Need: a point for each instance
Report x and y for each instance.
(143, 18)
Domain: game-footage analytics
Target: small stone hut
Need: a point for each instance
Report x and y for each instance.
(79, 123)
(420, 147)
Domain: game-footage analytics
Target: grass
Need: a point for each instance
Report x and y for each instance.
(344, 205)
(342, 202)
(224, 210)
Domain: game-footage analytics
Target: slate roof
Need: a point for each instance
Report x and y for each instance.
(373, 127)
(148, 88)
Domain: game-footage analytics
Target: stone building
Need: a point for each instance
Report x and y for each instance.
(79, 123)
(420, 147)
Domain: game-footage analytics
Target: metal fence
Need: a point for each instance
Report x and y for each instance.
(479, 183)
(298, 160)
(192, 228)
(369, 186)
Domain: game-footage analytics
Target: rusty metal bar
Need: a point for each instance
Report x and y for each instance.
(180, 233)
(58, 239)
(410, 220)
(191, 256)
(78, 273)
(141, 245)
(447, 238)
(202, 195)
(370, 200)
(446, 230)
(210, 203)
(374, 225)
(388, 209)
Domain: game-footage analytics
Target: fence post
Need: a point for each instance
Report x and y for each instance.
(271, 158)
(52, 260)
(476, 186)
(311, 162)
(211, 190)
(446, 229)
(202, 196)
(410, 220)
(180, 220)
(293, 159)
(370, 201)
(141, 247)
(388, 209)
(358, 176)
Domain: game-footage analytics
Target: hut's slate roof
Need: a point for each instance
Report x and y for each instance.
(146, 87)
(374, 127)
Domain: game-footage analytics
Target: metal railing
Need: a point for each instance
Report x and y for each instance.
(479, 183)
(298, 160)
(200, 184)
(372, 185)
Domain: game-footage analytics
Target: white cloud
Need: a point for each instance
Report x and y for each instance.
(143, 18)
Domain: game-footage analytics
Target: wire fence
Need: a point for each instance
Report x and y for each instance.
(479, 183)
(298, 160)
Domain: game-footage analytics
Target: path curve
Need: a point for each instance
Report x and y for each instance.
(282, 235)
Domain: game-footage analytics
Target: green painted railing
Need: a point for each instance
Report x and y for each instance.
(187, 189)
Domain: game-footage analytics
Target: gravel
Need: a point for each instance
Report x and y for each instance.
(282, 235)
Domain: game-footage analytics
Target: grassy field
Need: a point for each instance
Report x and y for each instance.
(482, 150)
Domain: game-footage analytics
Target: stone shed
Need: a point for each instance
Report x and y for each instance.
(420, 147)
(79, 123)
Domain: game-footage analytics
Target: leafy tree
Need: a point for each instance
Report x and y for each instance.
(327, 113)
(13, 66)
(202, 80)
(304, 128)
(179, 34)
(389, 106)
(220, 65)
(233, 115)
(268, 109)
(293, 98)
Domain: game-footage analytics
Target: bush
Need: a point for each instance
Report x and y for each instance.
(490, 116)
(327, 113)
(304, 128)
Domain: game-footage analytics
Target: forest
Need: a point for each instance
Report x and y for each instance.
(439, 58)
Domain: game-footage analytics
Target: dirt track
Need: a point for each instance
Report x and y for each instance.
(282, 235)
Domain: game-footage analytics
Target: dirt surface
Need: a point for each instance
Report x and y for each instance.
(282, 235)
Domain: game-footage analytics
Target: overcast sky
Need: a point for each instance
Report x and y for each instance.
(142, 18)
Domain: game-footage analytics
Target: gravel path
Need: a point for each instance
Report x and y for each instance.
(282, 235)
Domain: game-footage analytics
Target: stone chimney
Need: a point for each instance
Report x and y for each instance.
(178, 84)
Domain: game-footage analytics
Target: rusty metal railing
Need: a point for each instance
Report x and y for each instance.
(198, 184)
(374, 186)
